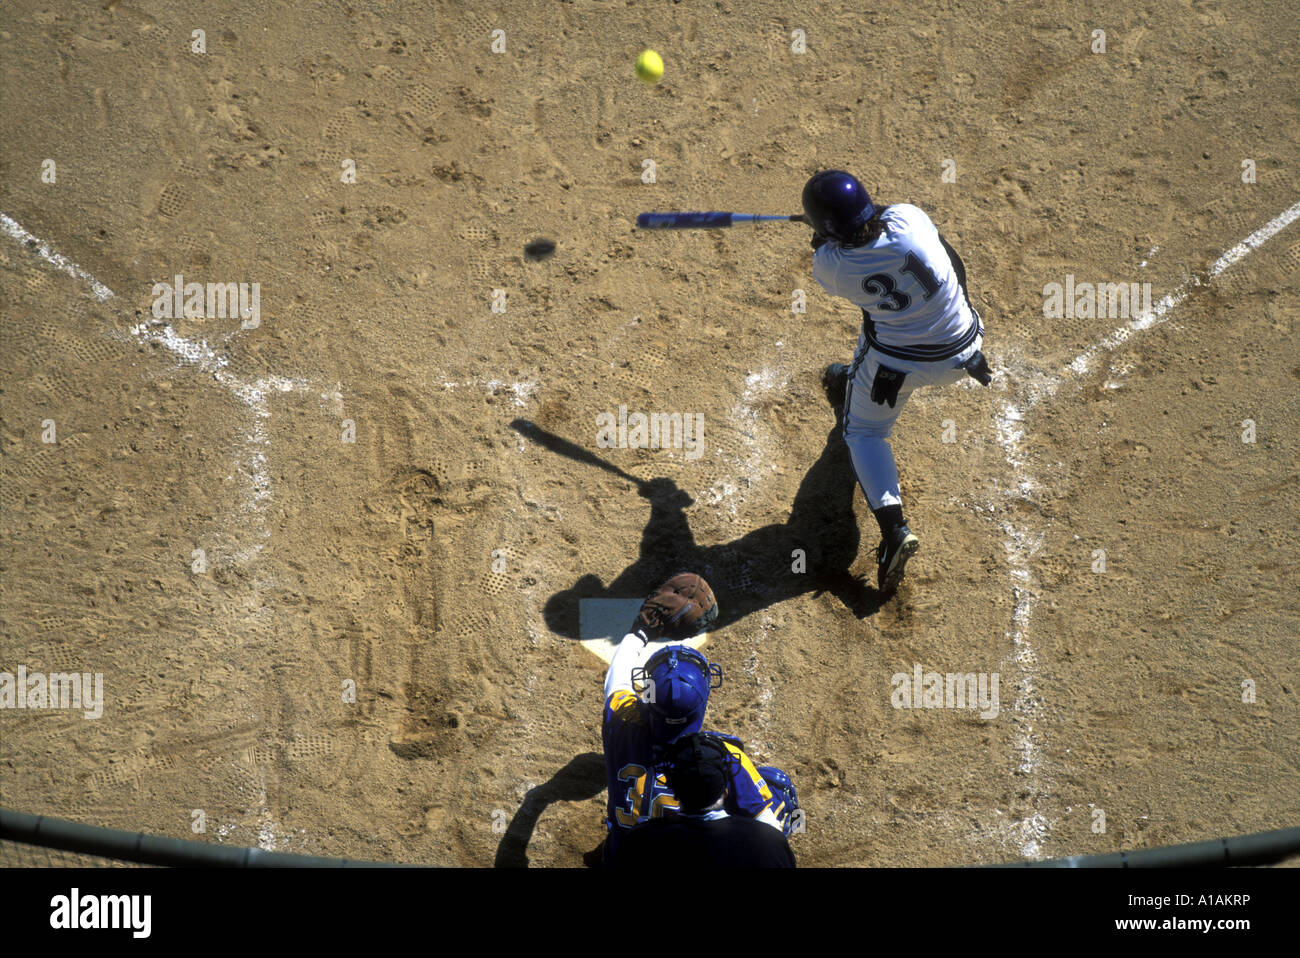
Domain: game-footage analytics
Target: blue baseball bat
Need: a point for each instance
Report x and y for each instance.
(705, 221)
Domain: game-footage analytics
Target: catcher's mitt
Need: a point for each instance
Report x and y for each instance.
(681, 608)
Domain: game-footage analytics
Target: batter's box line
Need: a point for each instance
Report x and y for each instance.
(253, 394)
(1022, 543)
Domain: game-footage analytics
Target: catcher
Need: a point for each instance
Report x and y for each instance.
(702, 834)
(656, 692)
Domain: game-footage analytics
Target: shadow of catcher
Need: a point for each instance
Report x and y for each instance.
(582, 778)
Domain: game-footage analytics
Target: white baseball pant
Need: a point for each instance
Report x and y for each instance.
(867, 425)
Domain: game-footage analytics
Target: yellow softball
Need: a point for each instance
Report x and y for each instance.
(649, 66)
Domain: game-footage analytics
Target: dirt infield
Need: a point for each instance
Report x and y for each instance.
(237, 521)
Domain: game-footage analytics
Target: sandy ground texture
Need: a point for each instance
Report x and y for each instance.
(368, 488)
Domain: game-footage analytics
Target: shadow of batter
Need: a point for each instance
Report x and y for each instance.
(749, 574)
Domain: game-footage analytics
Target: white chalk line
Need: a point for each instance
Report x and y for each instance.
(42, 249)
(199, 353)
(757, 744)
(253, 394)
(1022, 542)
(749, 469)
(1166, 304)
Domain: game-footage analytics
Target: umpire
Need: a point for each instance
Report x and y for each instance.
(702, 834)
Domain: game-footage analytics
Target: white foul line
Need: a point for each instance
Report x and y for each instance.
(1021, 543)
(1255, 240)
(191, 352)
(1167, 303)
(42, 249)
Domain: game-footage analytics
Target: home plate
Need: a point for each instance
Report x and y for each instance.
(602, 623)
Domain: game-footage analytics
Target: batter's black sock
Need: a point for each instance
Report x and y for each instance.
(889, 519)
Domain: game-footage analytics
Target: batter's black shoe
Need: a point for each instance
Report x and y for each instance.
(895, 549)
(835, 382)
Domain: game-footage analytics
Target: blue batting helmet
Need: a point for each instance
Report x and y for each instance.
(836, 204)
(675, 684)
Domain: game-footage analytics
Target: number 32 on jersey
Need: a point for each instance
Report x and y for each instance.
(640, 804)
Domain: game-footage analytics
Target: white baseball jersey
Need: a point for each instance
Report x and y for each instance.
(904, 280)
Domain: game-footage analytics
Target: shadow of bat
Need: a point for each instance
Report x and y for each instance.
(748, 574)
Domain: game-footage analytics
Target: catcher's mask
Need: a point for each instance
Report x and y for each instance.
(674, 684)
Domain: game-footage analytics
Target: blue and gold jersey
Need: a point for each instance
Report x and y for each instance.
(638, 790)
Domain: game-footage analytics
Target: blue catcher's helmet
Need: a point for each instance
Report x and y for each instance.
(675, 684)
(836, 204)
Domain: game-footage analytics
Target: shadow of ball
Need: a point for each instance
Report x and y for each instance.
(539, 249)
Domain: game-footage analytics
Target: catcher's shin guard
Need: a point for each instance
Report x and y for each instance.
(785, 800)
